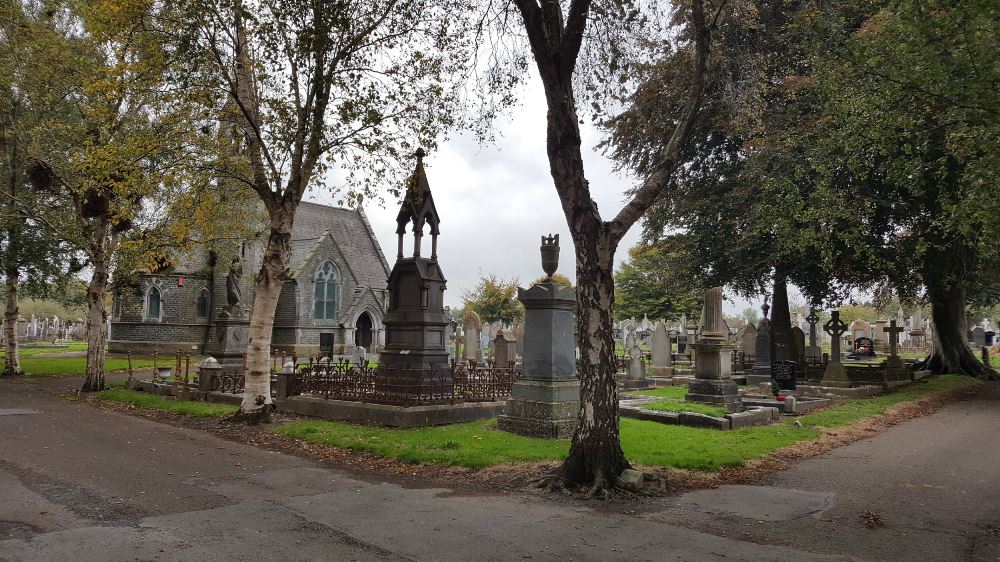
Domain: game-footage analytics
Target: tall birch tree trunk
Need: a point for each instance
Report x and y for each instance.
(12, 359)
(96, 315)
(256, 404)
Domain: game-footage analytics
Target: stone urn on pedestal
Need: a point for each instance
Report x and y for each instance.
(544, 402)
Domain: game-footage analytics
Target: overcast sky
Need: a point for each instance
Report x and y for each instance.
(497, 200)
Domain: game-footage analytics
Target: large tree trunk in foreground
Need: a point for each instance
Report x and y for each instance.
(96, 321)
(256, 406)
(950, 352)
(12, 359)
(596, 453)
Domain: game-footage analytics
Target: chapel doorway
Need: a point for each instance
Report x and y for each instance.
(363, 331)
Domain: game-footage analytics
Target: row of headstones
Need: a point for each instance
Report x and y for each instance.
(475, 340)
(979, 336)
(46, 328)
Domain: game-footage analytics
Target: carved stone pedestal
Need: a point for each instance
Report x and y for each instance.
(228, 341)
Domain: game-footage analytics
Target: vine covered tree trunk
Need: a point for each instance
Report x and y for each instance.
(950, 352)
(12, 359)
(256, 406)
(596, 454)
(96, 322)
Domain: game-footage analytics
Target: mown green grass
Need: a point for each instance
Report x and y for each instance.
(479, 444)
(682, 406)
(186, 407)
(48, 366)
(473, 444)
(675, 392)
(853, 410)
(75, 346)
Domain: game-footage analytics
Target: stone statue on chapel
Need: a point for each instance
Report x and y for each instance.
(233, 292)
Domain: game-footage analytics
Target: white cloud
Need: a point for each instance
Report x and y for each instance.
(497, 200)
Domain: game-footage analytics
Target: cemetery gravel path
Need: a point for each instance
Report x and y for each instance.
(83, 483)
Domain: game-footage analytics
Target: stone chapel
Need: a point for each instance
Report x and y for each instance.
(335, 299)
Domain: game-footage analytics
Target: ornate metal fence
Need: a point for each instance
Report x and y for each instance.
(344, 380)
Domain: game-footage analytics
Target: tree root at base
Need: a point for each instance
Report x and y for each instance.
(555, 481)
(260, 414)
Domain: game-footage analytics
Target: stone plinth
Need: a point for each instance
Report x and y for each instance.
(713, 383)
(541, 408)
(835, 376)
(544, 402)
(895, 371)
(228, 341)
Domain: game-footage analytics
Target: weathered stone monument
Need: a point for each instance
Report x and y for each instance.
(544, 402)
(978, 337)
(661, 364)
(504, 349)
(781, 323)
(712, 385)
(835, 374)
(415, 322)
(471, 327)
(761, 371)
(227, 342)
(895, 370)
(813, 350)
(798, 346)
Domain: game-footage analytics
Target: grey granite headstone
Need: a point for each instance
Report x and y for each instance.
(661, 364)
(545, 401)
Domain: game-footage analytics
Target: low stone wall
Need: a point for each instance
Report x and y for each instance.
(393, 416)
(748, 418)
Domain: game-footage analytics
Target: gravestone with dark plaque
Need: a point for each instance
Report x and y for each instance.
(784, 375)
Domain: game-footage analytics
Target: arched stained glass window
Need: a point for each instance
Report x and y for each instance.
(325, 295)
(153, 304)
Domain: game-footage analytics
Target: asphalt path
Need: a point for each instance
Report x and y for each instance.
(86, 484)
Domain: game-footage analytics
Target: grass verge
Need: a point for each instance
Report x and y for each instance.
(186, 407)
(49, 366)
(682, 406)
(479, 444)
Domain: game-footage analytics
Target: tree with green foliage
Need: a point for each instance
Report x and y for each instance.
(656, 282)
(115, 138)
(34, 260)
(356, 84)
(907, 141)
(495, 300)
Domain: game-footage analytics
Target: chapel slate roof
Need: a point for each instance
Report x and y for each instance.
(350, 231)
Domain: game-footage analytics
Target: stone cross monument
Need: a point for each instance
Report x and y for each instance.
(813, 350)
(835, 374)
(894, 368)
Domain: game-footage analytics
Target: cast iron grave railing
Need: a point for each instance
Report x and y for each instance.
(344, 380)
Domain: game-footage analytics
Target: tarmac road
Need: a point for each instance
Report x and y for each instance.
(86, 484)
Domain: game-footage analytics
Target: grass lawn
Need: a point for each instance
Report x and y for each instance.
(479, 444)
(48, 348)
(682, 406)
(186, 407)
(675, 392)
(44, 366)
